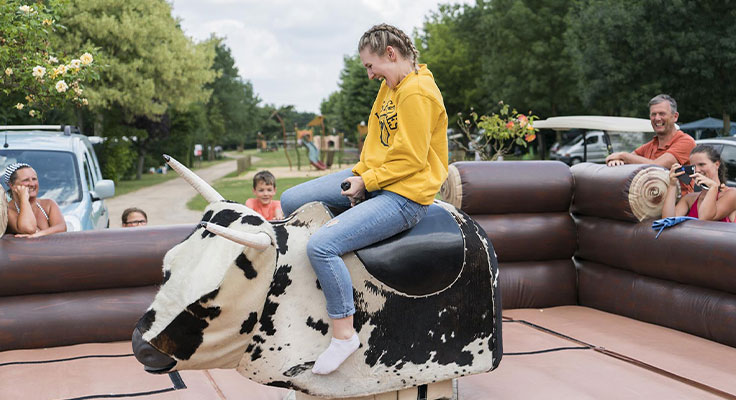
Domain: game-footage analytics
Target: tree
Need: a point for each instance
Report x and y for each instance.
(233, 106)
(450, 46)
(35, 76)
(151, 66)
(629, 51)
(356, 95)
(609, 41)
(524, 57)
(330, 109)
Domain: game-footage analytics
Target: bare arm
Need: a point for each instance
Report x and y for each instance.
(714, 207)
(620, 158)
(23, 222)
(56, 222)
(672, 207)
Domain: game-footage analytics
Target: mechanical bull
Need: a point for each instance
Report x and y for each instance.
(239, 293)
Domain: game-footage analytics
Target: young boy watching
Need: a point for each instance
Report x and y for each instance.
(264, 188)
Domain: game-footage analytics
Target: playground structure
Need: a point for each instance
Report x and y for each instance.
(320, 148)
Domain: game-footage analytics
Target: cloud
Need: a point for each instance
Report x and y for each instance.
(292, 51)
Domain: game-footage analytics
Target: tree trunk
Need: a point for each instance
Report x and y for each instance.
(99, 119)
(726, 124)
(80, 120)
(139, 169)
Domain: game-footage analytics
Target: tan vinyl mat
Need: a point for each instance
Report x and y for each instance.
(553, 353)
(109, 370)
(657, 362)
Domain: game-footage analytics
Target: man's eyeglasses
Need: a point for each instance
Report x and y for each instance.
(136, 222)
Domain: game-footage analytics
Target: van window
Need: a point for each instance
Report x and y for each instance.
(58, 176)
(591, 140)
(89, 168)
(88, 175)
(729, 154)
(92, 159)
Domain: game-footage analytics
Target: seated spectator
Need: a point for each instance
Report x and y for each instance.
(716, 202)
(29, 216)
(133, 217)
(669, 144)
(264, 188)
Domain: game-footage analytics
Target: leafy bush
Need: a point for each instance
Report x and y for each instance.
(493, 136)
(117, 159)
(36, 76)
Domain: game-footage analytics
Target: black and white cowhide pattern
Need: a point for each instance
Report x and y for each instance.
(223, 305)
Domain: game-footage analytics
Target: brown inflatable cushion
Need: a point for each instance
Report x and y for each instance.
(530, 237)
(500, 187)
(109, 258)
(632, 192)
(703, 312)
(59, 319)
(700, 253)
(537, 284)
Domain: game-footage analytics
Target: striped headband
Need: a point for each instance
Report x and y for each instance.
(10, 169)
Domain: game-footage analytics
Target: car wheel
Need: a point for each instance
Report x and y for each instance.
(575, 161)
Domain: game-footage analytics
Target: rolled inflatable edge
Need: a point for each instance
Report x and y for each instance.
(647, 192)
(452, 189)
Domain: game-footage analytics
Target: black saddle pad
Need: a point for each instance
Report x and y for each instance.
(422, 260)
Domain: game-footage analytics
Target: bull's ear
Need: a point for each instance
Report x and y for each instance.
(259, 241)
(207, 191)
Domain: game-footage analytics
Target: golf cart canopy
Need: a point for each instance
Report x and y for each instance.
(595, 122)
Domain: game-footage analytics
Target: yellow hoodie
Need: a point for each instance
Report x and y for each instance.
(405, 151)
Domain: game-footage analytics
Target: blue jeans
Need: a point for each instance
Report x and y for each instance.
(381, 216)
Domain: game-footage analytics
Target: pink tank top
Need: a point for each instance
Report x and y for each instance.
(694, 211)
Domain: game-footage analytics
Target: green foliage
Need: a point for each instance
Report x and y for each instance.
(233, 115)
(152, 68)
(117, 159)
(35, 75)
(152, 64)
(352, 104)
(524, 56)
(448, 44)
(626, 52)
(492, 136)
(609, 43)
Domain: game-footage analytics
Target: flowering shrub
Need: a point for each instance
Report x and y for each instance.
(36, 77)
(492, 136)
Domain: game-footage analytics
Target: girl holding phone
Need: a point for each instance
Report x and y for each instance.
(715, 202)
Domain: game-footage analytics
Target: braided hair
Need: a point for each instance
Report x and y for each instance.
(382, 35)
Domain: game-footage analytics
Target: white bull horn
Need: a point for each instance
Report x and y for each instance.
(204, 188)
(259, 241)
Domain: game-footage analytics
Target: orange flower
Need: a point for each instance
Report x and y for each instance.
(510, 124)
(530, 137)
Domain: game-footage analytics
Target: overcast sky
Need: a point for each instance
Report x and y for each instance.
(291, 50)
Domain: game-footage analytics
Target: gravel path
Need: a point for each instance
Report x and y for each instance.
(166, 203)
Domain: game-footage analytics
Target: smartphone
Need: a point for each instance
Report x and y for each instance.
(689, 170)
(685, 178)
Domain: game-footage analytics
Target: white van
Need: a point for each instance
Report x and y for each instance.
(599, 136)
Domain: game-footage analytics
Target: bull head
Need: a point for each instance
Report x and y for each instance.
(229, 258)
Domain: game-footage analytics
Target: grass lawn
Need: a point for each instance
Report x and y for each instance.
(240, 190)
(147, 179)
(278, 158)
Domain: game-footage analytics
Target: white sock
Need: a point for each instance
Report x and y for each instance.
(338, 352)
